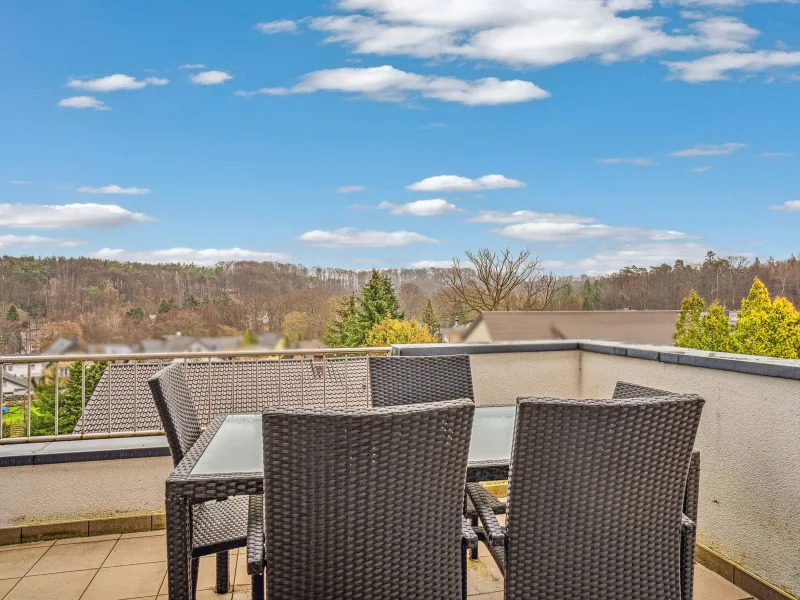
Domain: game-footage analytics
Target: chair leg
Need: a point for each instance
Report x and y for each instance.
(223, 578)
(473, 554)
(463, 575)
(258, 586)
(195, 573)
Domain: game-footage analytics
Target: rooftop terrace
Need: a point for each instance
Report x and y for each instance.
(749, 514)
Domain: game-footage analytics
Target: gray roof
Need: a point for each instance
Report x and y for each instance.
(239, 386)
(151, 346)
(61, 346)
(310, 345)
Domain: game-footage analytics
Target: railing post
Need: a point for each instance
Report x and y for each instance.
(209, 391)
(346, 379)
(55, 417)
(83, 397)
(135, 396)
(108, 370)
(2, 397)
(28, 420)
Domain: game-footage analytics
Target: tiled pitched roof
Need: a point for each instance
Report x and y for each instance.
(220, 387)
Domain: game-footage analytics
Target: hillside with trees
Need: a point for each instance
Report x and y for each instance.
(111, 301)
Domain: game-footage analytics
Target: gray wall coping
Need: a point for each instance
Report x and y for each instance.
(48, 453)
(739, 363)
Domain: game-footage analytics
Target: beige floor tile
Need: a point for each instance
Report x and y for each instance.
(84, 540)
(710, 586)
(55, 586)
(489, 596)
(244, 592)
(70, 557)
(6, 585)
(483, 575)
(134, 551)
(17, 562)
(210, 595)
(242, 578)
(139, 534)
(45, 544)
(207, 579)
(129, 581)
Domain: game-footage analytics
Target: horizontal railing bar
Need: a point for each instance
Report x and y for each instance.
(18, 359)
(79, 436)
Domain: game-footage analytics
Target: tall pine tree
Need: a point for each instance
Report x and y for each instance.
(12, 314)
(430, 319)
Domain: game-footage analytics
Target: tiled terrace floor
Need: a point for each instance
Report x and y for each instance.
(128, 566)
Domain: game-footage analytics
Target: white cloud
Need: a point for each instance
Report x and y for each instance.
(113, 189)
(433, 126)
(456, 183)
(421, 208)
(558, 227)
(641, 255)
(527, 216)
(723, 4)
(272, 27)
(716, 67)
(776, 154)
(788, 206)
(709, 150)
(115, 83)
(349, 189)
(20, 182)
(83, 102)
(193, 66)
(519, 34)
(11, 241)
(638, 161)
(700, 169)
(350, 237)
(67, 216)
(210, 77)
(431, 264)
(387, 84)
(210, 256)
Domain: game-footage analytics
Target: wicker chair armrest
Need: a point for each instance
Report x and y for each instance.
(468, 535)
(688, 532)
(255, 535)
(687, 525)
(495, 534)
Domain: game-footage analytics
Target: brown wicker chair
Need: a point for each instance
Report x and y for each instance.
(400, 380)
(216, 526)
(596, 499)
(343, 489)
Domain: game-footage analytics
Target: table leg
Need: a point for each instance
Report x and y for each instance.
(179, 546)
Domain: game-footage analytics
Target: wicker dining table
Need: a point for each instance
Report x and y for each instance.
(226, 460)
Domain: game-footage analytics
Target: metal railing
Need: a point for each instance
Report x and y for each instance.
(221, 381)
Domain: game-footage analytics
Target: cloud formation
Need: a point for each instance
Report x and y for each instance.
(192, 66)
(83, 102)
(456, 183)
(67, 216)
(431, 264)
(273, 27)
(350, 237)
(20, 182)
(641, 255)
(113, 189)
(709, 150)
(718, 67)
(421, 208)
(209, 256)
(522, 34)
(115, 83)
(638, 161)
(700, 169)
(349, 189)
(788, 206)
(559, 227)
(210, 77)
(13, 241)
(388, 84)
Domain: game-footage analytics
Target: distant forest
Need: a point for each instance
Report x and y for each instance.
(110, 301)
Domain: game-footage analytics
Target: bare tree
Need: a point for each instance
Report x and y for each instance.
(501, 282)
(738, 266)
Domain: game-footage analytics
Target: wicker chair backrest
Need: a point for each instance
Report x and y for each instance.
(173, 400)
(399, 380)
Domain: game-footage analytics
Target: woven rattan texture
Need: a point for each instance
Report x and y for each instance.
(223, 387)
(175, 406)
(397, 380)
(596, 493)
(345, 492)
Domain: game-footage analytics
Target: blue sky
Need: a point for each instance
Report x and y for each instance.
(392, 133)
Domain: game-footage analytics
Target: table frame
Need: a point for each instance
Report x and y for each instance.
(184, 489)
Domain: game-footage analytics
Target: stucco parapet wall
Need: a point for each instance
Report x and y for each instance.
(739, 363)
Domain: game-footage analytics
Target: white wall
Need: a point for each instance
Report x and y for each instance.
(749, 442)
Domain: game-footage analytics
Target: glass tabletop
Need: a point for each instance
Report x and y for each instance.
(236, 447)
